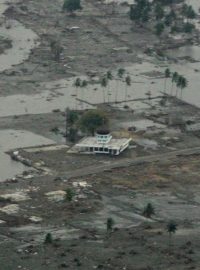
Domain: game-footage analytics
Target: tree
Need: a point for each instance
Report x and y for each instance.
(48, 239)
(120, 74)
(171, 229)
(71, 117)
(109, 224)
(104, 83)
(174, 80)
(148, 210)
(109, 77)
(181, 83)
(139, 12)
(159, 12)
(69, 194)
(71, 5)
(72, 134)
(188, 27)
(128, 83)
(167, 75)
(159, 28)
(56, 49)
(169, 18)
(83, 85)
(188, 12)
(92, 120)
(77, 84)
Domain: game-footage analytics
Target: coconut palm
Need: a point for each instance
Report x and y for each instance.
(181, 83)
(109, 76)
(83, 85)
(148, 210)
(167, 75)
(104, 83)
(128, 83)
(77, 84)
(174, 80)
(120, 74)
(109, 224)
(171, 229)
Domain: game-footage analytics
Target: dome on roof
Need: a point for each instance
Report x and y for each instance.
(102, 132)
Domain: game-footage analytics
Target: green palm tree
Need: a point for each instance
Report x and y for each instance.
(128, 83)
(181, 83)
(174, 80)
(83, 85)
(104, 83)
(184, 84)
(171, 229)
(120, 74)
(77, 84)
(148, 210)
(109, 224)
(109, 77)
(167, 75)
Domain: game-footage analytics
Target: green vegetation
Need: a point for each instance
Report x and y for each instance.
(48, 239)
(92, 120)
(128, 83)
(56, 49)
(104, 83)
(167, 75)
(120, 72)
(159, 29)
(71, 5)
(162, 17)
(71, 117)
(72, 134)
(109, 224)
(171, 229)
(69, 194)
(148, 210)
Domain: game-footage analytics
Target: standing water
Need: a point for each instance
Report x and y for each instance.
(11, 139)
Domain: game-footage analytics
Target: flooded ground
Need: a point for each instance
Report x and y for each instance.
(11, 139)
(23, 40)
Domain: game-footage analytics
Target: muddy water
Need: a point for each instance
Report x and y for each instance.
(11, 139)
(23, 40)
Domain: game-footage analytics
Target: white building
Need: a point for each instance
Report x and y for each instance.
(103, 143)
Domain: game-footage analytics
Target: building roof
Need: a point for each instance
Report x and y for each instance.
(102, 132)
(112, 144)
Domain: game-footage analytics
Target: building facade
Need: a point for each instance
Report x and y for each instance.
(103, 143)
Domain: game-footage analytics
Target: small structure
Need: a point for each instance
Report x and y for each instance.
(103, 143)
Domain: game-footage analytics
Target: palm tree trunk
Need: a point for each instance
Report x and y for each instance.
(103, 94)
(108, 95)
(165, 85)
(126, 90)
(176, 91)
(82, 96)
(116, 92)
(172, 86)
(76, 101)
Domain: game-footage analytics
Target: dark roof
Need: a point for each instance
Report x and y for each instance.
(102, 132)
